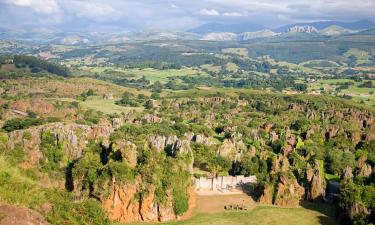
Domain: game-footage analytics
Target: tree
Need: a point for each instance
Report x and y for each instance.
(149, 104)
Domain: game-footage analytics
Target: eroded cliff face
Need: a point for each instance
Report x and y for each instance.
(124, 204)
(73, 138)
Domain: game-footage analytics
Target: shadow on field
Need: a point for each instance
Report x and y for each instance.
(329, 212)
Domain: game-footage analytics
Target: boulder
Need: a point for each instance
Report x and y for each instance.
(17, 215)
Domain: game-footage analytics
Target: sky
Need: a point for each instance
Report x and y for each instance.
(125, 15)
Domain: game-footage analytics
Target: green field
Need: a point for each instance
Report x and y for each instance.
(152, 75)
(356, 92)
(100, 104)
(265, 215)
(106, 106)
(211, 68)
(295, 67)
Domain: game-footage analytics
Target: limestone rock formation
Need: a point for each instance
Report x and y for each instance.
(128, 151)
(347, 173)
(200, 138)
(72, 137)
(316, 183)
(280, 164)
(267, 195)
(273, 137)
(171, 144)
(231, 149)
(286, 193)
(332, 131)
(151, 119)
(363, 168)
(289, 192)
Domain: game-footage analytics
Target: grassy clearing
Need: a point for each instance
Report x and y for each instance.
(265, 215)
(211, 68)
(152, 75)
(331, 177)
(66, 88)
(295, 67)
(17, 188)
(98, 103)
(236, 51)
(106, 106)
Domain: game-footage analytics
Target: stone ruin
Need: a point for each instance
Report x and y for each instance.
(223, 183)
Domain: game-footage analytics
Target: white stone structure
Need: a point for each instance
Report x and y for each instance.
(223, 183)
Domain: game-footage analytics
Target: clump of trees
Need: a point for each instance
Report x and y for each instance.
(19, 124)
(38, 65)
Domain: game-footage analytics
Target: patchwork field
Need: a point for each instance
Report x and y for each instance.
(152, 75)
(359, 94)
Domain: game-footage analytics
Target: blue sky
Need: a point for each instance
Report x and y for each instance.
(123, 15)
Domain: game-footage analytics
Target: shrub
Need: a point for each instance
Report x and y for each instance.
(121, 171)
(52, 151)
(180, 201)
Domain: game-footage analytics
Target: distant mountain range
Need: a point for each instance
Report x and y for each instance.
(357, 25)
(244, 32)
(249, 27)
(210, 31)
(226, 27)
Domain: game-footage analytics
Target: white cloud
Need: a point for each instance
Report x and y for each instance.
(209, 12)
(40, 6)
(234, 14)
(91, 9)
(156, 13)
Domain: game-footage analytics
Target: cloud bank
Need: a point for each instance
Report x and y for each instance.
(174, 14)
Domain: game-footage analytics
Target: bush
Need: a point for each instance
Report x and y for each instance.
(92, 116)
(180, 201)
(52, 151)
(121, 171)
(67, 211)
